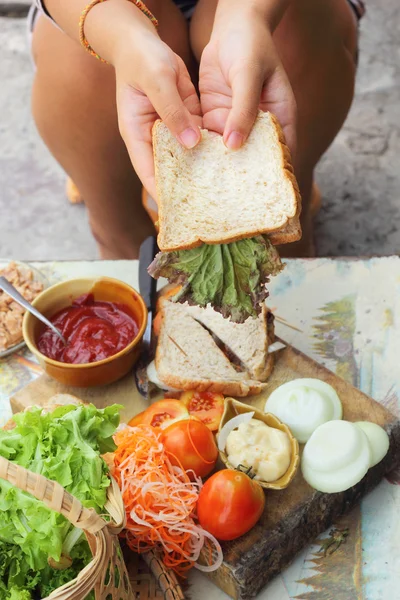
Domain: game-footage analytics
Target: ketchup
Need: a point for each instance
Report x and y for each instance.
(93, 331)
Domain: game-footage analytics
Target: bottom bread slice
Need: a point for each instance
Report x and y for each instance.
(187, 357)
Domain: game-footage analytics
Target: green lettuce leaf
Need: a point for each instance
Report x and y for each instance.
(230, 277)
(19, 594)
(17, 581)
(65, 446)
(51, 579)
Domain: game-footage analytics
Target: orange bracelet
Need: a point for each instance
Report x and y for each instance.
(82, 38)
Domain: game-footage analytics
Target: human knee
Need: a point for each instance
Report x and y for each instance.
(109, 248)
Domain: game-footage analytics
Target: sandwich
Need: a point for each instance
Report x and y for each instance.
(199, 350)
(221, 213)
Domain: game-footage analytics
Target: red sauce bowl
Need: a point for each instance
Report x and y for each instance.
(60, 296)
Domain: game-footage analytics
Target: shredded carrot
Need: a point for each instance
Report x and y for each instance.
(160, 501)
(208, 462)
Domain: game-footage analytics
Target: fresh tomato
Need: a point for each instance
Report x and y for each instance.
(191, 444)
(207, 407)
(167, 292)
(161, 414)
(157, 325)
(230, 504)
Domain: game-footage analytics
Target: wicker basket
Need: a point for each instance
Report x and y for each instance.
(106, 574)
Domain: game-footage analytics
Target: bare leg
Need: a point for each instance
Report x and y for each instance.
(75, 111)
(317, 43)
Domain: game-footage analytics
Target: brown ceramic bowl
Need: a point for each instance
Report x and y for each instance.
(234, 408)
(61, 295)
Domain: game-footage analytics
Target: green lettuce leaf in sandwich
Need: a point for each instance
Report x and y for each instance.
(231, 277)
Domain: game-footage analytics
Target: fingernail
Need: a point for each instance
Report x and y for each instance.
(235, 141)
(189, 138)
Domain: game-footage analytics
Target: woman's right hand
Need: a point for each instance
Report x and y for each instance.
(153, 82)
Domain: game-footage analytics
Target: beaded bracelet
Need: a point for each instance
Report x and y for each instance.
(82, 38)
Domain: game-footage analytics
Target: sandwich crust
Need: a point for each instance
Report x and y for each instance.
(239, 389)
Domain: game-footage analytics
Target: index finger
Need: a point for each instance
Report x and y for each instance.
(246, 96)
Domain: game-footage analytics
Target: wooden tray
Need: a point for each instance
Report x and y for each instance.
(293, 517)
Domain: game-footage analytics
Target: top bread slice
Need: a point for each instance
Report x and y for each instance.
(188, 358)
(213, 195)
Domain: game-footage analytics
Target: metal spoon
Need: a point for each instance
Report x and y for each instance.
(9, 289)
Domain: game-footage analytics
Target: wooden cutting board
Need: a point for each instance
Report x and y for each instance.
(293, 517)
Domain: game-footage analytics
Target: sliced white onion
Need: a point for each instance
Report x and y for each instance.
(378, 440)
(152, 376)
(219, 558)
(230, 426)
(303, 405)
(336, 457)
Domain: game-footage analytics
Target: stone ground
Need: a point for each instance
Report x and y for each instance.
(359, 176)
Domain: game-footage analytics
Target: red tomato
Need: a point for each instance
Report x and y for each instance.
(230, 504)
(191, 444)
(161, 414)
(206, 406)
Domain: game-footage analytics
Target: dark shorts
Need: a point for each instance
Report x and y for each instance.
(187, 7)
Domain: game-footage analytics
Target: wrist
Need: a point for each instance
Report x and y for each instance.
(270, 12)
(110, 27)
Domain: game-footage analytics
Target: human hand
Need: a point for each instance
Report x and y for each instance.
(240, 73)
(153, 82)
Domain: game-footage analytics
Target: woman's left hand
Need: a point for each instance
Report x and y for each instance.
(240, 73)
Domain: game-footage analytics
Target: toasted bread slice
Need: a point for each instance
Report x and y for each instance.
(213, 195)
(189, 358)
